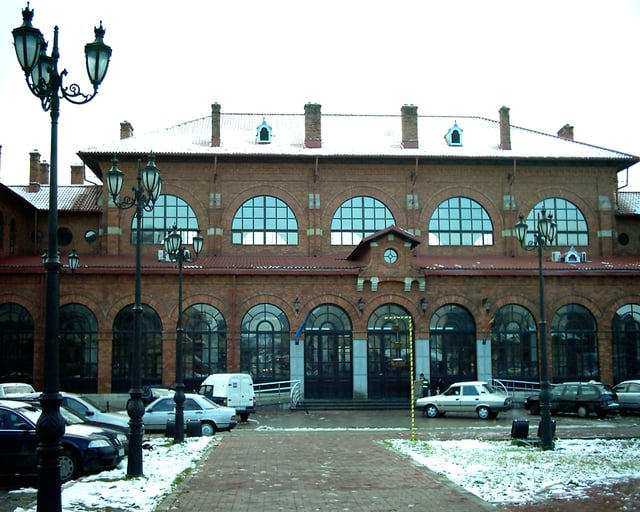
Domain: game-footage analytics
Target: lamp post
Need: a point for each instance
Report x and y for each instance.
(145, 194)
(543, 237)
(173, 246)
(46, 82)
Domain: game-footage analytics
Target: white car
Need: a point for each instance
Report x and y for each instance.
(13, 389)
(212, 417)
(466, 397)
(628, 395)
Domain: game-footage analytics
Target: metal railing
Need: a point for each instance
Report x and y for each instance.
(280, 392)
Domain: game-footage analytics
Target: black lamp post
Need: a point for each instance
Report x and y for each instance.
(146, 193)
(542, 239)
(173, 246)
(45, 82)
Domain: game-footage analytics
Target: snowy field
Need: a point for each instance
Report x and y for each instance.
(496, 471)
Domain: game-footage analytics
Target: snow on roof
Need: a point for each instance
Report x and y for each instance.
(628, 203)
(70, 197)
(356, 135)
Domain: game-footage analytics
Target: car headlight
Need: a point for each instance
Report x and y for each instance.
(99, 443)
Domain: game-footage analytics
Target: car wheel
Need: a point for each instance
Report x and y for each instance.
(244, 417)
(431, 411)
(484, 413)
(208, 429)
(582, 411)
(69, 468)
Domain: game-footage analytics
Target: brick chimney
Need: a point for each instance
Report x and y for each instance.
(44, 173)
(34, 166)
(409, 126)
(126, 130)
(77, 174)
(312, 126)
(566, 132)
(215, 125)
(505, 129)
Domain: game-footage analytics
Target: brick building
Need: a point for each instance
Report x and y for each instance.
(323, 235)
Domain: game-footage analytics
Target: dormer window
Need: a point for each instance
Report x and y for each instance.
(263, 133)
(454, 135)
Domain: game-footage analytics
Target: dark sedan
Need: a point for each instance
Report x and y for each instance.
(85, 449)
(581, 398)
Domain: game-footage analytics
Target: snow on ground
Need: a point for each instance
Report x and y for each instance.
(496, 471)
(506, 472)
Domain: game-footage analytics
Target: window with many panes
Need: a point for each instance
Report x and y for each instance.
(358, 218)
(169, 211)
(571, 224)
(264, 220)
(460, 221)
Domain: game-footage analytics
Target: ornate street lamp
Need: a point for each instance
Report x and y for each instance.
(45, 82)
(146, 193)
(173, 246)
(542, 238)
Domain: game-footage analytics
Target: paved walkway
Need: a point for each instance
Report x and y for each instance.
(263, 471)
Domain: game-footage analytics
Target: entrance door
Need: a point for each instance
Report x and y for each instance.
(329, 372)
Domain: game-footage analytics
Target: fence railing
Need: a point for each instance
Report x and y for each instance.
(280, 391)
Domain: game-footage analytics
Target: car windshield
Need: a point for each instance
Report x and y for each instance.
(29, 412)
(91, 402)
(69, 417)
(208, 404)
(17, 389)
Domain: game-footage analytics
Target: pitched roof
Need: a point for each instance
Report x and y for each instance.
(80, 198)
(628, 203)
(355, 135)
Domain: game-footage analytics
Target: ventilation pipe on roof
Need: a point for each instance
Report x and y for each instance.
(409, 126)
(312, 126)
(126, 130)
(215, 125)
(566, 132)
(505, 129)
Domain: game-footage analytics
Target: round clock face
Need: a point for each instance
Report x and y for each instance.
(390, 256)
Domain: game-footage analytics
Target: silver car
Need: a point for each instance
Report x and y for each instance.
(628, 395)
(466, 397)
(212, 417)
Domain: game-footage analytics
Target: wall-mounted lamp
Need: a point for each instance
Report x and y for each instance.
(361, 304)
(486, 304)
(296, 305)
(424, 303)
(74, 259)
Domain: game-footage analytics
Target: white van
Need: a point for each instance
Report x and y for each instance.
(231, 390)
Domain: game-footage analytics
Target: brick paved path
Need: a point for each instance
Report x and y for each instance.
(262, 471)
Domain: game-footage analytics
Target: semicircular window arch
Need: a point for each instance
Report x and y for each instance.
(571, 224)
(264, 220)
(357, 218)
(460, 221)
(168, 211)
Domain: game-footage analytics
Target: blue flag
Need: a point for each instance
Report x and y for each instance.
(300, 330)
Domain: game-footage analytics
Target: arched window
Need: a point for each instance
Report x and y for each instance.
(122, 348)
(168, 211)
(205, 343)
(460, 221)
(16, 343)
(264, 343)
(452, 337)
(358, 218)
(78, 349)
(264, 220)
(572, 226)
(625, 331)
(514, 344)
(388, 353)
(574, 344)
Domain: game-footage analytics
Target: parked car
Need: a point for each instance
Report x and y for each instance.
(628, 395)
(11, 389)
(581, 398)
(85, 449)
(213, 417)
(466, 397)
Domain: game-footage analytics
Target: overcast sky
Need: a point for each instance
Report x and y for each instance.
(553, 62)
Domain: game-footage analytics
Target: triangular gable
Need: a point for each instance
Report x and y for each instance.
(364, 244)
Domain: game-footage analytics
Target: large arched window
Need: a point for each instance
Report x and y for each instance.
(122, 348)
(571, 224)
(388, 353)
(264, 343)
(16, 343)
(625, 331)
(358, 218)
(574, 344)
(168, 211)
(264, 220)
(205, 343)
(452, 337)
(460, 221)
(78, 349)
(514, 346)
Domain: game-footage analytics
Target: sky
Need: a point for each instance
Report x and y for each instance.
(495, 471)
(552, 63)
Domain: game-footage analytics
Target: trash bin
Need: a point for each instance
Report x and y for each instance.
(194, 428)
(520, 429)
(170, 430)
